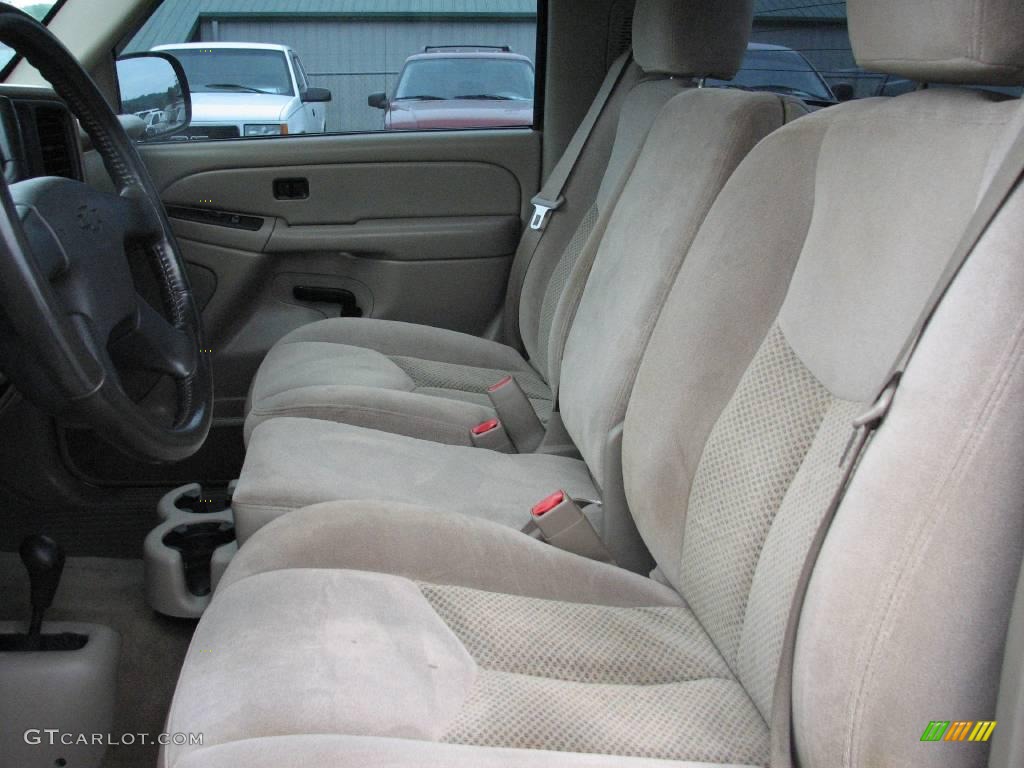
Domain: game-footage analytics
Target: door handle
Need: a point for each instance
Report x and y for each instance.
(320, 295)
(291, 189)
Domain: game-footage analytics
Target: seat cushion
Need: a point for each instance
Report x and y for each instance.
(579, 657)
(293, 463)
(376, 752)
(402, 378)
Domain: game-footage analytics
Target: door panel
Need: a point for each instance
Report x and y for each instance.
(513, 150)
(419, 227)
(348, 193)
(254, 302)
(419, 239)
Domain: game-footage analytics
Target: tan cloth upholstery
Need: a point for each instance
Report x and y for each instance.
(834, 227)
(941, 41)
(747, 432)
(292, 463)
(417, 543)
(691, 37)
(764, 391)
(548, 300)
(337, 380)
(667, 700)
(397, 377)
(378, 752)
(697, 141)
(934, 510)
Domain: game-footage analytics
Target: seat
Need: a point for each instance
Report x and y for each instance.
(431, 383)
(697, 140)
(555, 651)
(299, 462)
(376, 633)
(407, 379)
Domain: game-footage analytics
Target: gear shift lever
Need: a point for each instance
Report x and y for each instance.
(44, 561)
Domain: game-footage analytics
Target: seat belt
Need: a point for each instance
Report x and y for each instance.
(1003, 183)
(550, 198)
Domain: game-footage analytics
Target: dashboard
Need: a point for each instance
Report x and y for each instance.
(38, 137)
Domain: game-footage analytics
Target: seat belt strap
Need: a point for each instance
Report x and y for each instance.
(781, 755)
(551, 197)
(524, 427)
(1003, 183)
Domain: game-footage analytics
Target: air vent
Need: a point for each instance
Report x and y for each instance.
(54, 130)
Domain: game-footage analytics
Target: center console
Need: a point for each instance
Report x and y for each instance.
(60, 678)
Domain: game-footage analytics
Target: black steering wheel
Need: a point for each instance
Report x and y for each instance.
(79, 336)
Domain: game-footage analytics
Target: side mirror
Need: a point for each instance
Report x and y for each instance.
(154, 89)
(312, 95)
(377, 100)
(843, 91)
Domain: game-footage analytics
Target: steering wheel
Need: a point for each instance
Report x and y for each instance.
(76, 333)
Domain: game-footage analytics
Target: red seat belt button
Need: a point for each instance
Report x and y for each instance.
(486, 426)
(548, 503)
(495, 387)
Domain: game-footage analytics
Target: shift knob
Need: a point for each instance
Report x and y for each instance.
(44, 561)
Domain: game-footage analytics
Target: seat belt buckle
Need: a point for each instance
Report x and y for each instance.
(491, 435)
(559, 521)
(542, 208)
(524, 427)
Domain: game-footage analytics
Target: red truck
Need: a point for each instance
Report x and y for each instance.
(460, 87)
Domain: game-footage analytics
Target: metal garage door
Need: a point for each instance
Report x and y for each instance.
(357, 58)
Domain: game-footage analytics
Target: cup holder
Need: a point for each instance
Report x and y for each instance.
(201, 501)
(197, 542)
(194, 499)
(186, 554)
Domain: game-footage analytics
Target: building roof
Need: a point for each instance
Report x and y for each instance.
(176, 20)
(800, 9)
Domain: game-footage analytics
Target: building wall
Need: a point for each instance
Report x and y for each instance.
(355, 58)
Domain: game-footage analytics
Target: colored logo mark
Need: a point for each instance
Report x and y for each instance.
(958, 730)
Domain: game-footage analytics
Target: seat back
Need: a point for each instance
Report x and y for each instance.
(697, 141)
(673, 44)
(786, 317)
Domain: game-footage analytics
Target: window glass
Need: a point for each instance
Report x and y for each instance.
(237, 71)
(802, 48)
(466, 76)
(775, 68)
(424, 65)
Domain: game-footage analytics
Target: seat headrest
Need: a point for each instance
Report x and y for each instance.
(691, 38)
(978, 42)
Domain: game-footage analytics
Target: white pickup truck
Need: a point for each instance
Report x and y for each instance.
(249, 89)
